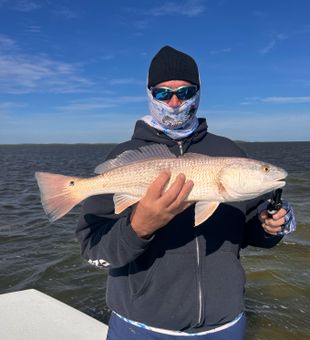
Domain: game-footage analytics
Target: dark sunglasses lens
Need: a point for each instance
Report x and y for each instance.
(186, 92)
(161, 94)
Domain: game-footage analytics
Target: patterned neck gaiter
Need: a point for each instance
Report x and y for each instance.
(176, 122)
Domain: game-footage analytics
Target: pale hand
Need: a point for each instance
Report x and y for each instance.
(156, 208)
(272, 225)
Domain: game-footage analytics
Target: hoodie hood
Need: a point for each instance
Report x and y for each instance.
(146, 133)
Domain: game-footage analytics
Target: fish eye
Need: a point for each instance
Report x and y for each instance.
(266, 168)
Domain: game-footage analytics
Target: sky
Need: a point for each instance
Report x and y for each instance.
(75, 71)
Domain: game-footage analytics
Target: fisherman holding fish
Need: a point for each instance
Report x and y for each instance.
(185, 202)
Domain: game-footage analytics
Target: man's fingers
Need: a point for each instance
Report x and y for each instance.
(271, 222)
(272, 225)
(276, 219)
(172, 193)
(186, 189)
(279, 214)
(183, 206)
(271, 229)
(174, 196)
(157, 187)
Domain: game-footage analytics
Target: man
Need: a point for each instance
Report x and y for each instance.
(168, 279)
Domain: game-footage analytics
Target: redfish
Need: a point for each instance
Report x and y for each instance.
(216, 180)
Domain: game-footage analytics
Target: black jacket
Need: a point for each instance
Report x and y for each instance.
(183, 278)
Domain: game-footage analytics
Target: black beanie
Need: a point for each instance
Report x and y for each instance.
(171, 64)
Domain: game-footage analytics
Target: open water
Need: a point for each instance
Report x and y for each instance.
(44, 256)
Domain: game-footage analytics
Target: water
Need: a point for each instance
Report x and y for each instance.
(36, 254)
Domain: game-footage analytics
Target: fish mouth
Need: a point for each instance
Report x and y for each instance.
(279, 182)
(273, 185)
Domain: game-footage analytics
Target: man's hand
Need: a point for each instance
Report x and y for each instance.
(272, 225)
(156, 208)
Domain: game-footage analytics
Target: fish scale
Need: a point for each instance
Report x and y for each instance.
(134, 179)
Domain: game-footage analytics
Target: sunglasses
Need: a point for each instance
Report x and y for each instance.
(165, 93)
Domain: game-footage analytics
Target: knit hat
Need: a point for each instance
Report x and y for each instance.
(171, 64)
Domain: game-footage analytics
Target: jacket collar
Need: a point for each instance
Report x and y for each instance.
(147, 133)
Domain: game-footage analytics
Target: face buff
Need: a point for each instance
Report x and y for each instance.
(176, 122)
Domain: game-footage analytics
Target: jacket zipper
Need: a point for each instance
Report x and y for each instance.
(199, 283)
(180, 144)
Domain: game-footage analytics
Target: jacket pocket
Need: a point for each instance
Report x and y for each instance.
(141, 276)
(168, 296)
(224, 280)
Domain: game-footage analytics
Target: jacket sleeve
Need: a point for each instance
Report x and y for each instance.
(254, 234)
(107, 239)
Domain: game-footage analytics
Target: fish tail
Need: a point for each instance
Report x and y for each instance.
(58, 194)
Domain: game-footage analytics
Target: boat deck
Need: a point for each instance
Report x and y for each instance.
(32, 315)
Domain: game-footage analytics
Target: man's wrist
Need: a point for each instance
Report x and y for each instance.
(140, 232)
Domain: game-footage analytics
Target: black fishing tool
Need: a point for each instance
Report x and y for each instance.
(275, 203)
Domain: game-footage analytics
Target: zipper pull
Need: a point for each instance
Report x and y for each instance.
(180, 147)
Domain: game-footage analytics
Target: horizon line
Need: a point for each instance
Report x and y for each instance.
(115, 143)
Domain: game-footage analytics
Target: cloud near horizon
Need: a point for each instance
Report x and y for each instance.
(277, 100)
(92, 104)
(286, 100)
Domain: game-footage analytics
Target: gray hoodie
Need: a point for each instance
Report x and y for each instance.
(182, 278)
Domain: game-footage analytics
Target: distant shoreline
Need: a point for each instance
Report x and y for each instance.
(115, 143)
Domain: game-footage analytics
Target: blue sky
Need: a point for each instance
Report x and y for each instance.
(75, 71)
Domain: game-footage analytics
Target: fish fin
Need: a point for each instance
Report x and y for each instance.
(204, 210)
(132, 156)
(58, 194)
(223, 192)
(123, 201)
